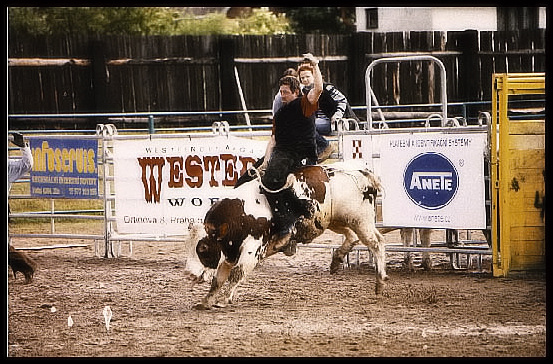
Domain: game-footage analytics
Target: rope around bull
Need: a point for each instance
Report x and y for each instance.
(257, 174)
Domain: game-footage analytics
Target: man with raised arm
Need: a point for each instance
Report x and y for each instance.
(292, 145)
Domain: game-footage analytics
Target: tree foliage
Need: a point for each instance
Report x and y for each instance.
(326, 20)
(139, 21)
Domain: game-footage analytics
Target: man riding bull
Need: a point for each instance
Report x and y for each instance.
(292, 145)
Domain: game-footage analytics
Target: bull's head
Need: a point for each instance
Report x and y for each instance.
(227, 225)
(209, 252)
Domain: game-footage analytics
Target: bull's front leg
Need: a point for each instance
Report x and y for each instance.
(237, 276)
(251, 253)
(223, 272)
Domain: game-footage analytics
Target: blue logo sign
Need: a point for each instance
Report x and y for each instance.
(64, 168)
(430, 180)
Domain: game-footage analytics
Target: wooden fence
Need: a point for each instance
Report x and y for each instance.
(76, 74)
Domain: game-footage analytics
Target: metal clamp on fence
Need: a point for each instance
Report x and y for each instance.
(484, 115)
(455, 121)
(106, 130)
(220, 127)
(344, 124)
(433, 116)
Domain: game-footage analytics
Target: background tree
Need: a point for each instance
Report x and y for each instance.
(140, 21)
(327, 20)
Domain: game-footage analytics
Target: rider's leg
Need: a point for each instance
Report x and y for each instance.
(285, 206)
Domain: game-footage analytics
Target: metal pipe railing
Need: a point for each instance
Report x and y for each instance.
(370, 95)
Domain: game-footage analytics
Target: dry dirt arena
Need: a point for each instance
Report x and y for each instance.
(289, 307)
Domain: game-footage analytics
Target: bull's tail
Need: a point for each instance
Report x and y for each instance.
(373, 181)
(372, 184)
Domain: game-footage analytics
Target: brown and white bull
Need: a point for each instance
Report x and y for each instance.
(238, 228)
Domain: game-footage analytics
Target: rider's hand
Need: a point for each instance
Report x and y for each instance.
(308, 57)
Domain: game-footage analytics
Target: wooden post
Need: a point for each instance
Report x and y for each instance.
(468, 66)
(100, 79)
(99, 74)
(356, 67)
(229, 94)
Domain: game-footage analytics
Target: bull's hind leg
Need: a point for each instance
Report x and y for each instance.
(374, 240)
(346, 247)
(223, 272)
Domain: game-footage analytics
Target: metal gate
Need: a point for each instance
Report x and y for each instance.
(434, 119)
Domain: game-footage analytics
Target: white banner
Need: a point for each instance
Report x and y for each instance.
(431, 180)
(162, 185)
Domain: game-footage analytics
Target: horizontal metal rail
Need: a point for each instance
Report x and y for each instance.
(63, 236)
(398, 248)
(57, 214)
(57, 246)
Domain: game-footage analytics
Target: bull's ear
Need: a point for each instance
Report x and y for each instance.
(223, 230)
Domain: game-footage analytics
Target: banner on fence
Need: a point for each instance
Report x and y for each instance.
(163, 185)
(64, 168)
(431, 180)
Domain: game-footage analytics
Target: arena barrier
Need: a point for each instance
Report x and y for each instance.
(110, 159)
(390, 150)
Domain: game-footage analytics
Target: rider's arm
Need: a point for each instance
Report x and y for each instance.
(18, 167)
(315, 92)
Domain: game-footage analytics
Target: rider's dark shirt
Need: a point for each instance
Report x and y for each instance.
(294, 127)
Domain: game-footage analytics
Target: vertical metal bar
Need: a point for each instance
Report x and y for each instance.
(52, 211)
(242, 99)
(494, 178)
(503, 206)
(151, 129)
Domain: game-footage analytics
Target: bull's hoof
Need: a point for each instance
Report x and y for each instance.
(408, 265)
(426, 264)
(220, 305)
(290, 249)
(379, 288)
(201, 307)
(335, 265)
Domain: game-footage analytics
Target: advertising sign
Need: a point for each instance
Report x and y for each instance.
(163, 185)
(433, 180)
(64, 168)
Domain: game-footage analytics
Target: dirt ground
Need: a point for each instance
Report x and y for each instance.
(290, 306)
